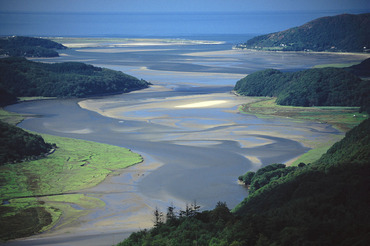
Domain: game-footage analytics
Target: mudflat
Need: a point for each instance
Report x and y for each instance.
(187, 127)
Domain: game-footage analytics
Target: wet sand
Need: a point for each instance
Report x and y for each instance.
(194, 144)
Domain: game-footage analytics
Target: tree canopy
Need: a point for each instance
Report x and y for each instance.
(29, 47)
(345, 32)
(17, 144)
(311, 87)
(21, 77)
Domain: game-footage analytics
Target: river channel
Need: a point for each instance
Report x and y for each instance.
(187, 126)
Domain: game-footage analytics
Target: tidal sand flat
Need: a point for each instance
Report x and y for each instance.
(187, 127)
(189, 61)
(192, 152)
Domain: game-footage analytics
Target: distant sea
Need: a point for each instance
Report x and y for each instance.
(224, 26)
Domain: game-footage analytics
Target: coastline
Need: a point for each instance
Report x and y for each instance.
(164, 129)
(139, 216)
(359, 54)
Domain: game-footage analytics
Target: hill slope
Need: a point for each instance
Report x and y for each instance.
(17, 144)
(350, 33)
(311, 87)
(20, 77)
(29, 47)
(324, 203)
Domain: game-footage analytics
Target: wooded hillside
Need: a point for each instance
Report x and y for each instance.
(311, 87)
(21, 77)
(349, 33)
(323, 203)
(29, 47)
(17, 144)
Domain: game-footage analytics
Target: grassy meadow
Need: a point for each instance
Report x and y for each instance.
(36, 194)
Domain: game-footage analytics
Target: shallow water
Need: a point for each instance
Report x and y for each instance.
(190, 153)
(190, 171)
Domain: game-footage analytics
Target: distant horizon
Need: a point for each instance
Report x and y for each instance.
(154, 24)
(332, 11)
(172, 6)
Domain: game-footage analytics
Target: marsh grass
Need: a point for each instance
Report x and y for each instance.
(318, 149)
(25, 99)
(11, 118)
(342, 118)
(337, 65)
(46, 188)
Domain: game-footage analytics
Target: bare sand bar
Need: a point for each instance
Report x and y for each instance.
(126, 42)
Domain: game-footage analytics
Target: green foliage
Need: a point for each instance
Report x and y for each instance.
(268, 82)
(361, 69)
(17, 144)
(323, 203)
(29, 47)
(247, 177)
(20, 77)
(268, 174)
(345, 32)
(354, 148)
(6, 97)
(195, 228)
(311, 87)
(39, 187)
(23, 223)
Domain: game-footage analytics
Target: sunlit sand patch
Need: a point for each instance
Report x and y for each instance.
(222, 53)
(254, 159)
(198, 143)
(202, 104)
(200, 124)
(247, 141)
(178, 74)
(123, 42)
(80, 45)
(171, 122)
(113, 50)
(79, 131)
(290, 162)
(154, 109)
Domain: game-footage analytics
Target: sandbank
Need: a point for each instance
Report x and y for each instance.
(180, 135)
(176, 111)
(115, 50)
(203, 104)
(127, 42)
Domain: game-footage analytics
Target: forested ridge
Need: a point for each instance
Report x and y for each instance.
(347, 32)
(29, 47)
(21, 77)
(311, 87)
(323, 203)
(16, 144)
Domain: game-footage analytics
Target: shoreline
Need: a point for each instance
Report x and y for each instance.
(158, 126)
(189, 103)
(307, 52)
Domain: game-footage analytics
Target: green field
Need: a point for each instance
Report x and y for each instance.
(337, 65)
(43, 190)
